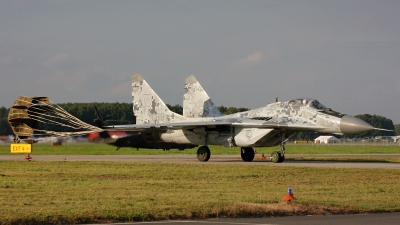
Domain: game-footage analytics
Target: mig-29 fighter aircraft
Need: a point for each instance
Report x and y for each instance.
(203, 124)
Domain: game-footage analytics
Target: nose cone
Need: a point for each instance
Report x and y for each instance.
(353, 125)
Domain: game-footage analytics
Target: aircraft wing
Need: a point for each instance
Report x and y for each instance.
(272, 123)
(166, 126)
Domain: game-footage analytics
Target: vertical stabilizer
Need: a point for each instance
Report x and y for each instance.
(147, 106)
(196, 102)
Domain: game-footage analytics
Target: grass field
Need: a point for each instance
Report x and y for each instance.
(80, 192)
(83, 192)
(103, 149)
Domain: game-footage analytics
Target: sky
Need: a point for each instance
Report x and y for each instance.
(344, 53)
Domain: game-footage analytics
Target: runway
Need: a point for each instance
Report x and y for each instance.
(358, 219)
(223, 159)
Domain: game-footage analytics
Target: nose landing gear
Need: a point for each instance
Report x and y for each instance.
(279, 156)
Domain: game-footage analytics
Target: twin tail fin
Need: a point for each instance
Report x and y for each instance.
(196, 102)
(147, 106)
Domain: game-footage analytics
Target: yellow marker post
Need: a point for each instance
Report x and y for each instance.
(21, 148)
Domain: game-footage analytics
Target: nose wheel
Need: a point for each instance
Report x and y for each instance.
(277, 157)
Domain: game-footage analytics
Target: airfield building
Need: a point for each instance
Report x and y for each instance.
(326, 140)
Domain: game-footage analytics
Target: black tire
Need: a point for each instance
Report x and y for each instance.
(247, 154)
(203, 154)
(276, 157)
(281, 158)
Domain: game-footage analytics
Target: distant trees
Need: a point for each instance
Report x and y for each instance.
(5, 128)
(176, 108)
(306, 136)
(231, 110)
(121, 113)
(397, 129)
(225, 110)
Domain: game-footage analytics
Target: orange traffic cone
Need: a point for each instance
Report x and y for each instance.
(28, 157)
(289, 196)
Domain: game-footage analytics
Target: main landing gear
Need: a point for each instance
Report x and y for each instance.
(203, 154)
(247, 154)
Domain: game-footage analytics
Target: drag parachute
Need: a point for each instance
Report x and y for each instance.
(26, 114)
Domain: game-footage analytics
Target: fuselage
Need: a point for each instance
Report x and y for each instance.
(262, 126)
(133, 140)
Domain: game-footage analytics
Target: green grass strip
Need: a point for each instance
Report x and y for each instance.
(103, 149)
(83, 192)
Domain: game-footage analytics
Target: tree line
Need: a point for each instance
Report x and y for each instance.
(121, 113)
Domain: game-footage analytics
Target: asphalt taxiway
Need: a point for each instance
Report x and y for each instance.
(357, 219)
(224, 159)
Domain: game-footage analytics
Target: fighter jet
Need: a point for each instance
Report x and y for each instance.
(203, 124)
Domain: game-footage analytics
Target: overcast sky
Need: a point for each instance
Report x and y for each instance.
(345, 53)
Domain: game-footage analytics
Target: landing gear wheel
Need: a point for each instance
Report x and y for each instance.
(247, 154)
(282, 158)
(277, 157)
(203, 154)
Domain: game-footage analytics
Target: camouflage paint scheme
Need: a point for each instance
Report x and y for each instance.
(203, 124)
(196, 102)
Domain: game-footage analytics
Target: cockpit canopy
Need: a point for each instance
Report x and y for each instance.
(313, 103)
